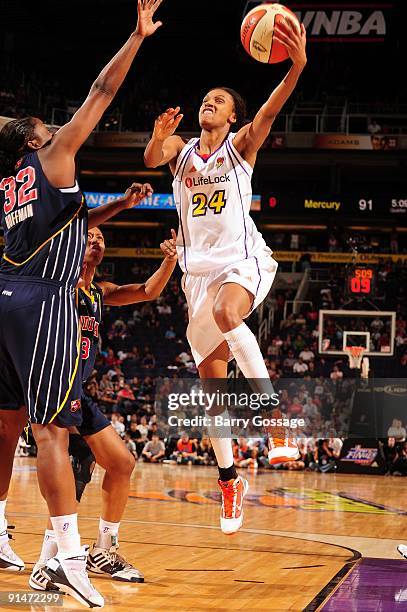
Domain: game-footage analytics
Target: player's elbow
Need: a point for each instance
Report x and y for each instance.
(152, 294)
(149, 162)
(101, 88)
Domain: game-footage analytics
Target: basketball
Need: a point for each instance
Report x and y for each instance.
(257, 32)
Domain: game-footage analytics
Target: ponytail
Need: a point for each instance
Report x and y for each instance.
(14, 138)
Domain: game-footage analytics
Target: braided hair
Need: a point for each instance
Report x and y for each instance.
(14, 138)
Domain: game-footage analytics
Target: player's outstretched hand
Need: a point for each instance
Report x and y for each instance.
(146, 10)
(136, 193)
(167, 123)
(295, 42)
(169, 247)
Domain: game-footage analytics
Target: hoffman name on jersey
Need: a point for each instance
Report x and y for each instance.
(19, 215)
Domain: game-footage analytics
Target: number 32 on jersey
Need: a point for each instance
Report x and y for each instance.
(201, 204)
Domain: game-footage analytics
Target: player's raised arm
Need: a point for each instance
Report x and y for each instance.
(164, 147)
(252, 136)
(115, 295)
(135, 194)
(71, 136)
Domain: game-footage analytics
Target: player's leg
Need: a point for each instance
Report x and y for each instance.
(42, 337)
(232, 304)
(233, 487)
(111, 453)
(83, 462)
(12, 423)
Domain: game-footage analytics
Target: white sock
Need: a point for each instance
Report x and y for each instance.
(67, 534)
(49, 546)
(222, 446)
(108, 534)
(3, 522)
(243, 344)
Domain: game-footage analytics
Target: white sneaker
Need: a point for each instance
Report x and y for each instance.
(402, 548)
(108, 561)
(70, 576)
(9, 561)
(282, 450)
(282, 446)
(38, 581)
(233, 492)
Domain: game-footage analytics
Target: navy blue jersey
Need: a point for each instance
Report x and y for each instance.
(90, 313)
(45, 228)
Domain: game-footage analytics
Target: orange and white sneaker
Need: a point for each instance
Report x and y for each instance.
(233, 492)
(282, 449)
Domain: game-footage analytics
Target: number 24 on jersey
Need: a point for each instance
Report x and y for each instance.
(201, 204)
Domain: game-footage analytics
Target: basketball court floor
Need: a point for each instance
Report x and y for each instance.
(309, 541)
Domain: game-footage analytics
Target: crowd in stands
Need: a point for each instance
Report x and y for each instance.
(141, 100)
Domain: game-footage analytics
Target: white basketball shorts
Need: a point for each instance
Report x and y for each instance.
(256, 274)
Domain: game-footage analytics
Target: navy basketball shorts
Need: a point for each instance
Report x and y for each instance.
(93, 418)
(40, 364)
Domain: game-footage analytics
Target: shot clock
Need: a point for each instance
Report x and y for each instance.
(361, 282)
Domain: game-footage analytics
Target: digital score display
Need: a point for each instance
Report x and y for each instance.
(361, 282)
(360, 206)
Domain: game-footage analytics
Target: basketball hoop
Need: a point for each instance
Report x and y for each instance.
(355, 354)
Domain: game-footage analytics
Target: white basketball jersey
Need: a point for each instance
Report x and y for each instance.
(213, 199)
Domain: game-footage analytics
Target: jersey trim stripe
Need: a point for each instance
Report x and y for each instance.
(67, 304)
(51, 380)
(235, 153)
(258, 270)
(241, 202)
(44, 358)
(180, 208)
(212, 154)
(14, 263)
(66, 259)
(57, 255)
(187, 152)
(33, 358)
(72, 377)
(73, 189)
(46, 263)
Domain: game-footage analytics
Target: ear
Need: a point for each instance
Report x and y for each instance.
(34, 144)
(232, 118)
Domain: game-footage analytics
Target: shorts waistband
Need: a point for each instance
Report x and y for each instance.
(33, 280)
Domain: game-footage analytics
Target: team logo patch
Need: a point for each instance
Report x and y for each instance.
(75, 405)
(219, 162)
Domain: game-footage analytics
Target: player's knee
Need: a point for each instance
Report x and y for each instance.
(128, 465)
(226, 316)
(122, 466)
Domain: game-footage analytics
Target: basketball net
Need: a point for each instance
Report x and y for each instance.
(355, 354)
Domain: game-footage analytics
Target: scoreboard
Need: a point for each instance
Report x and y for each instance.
(361, 205)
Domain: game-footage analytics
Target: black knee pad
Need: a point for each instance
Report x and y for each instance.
(83, 463)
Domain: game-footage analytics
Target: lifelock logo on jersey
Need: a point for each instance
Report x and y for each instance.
(197, 182)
